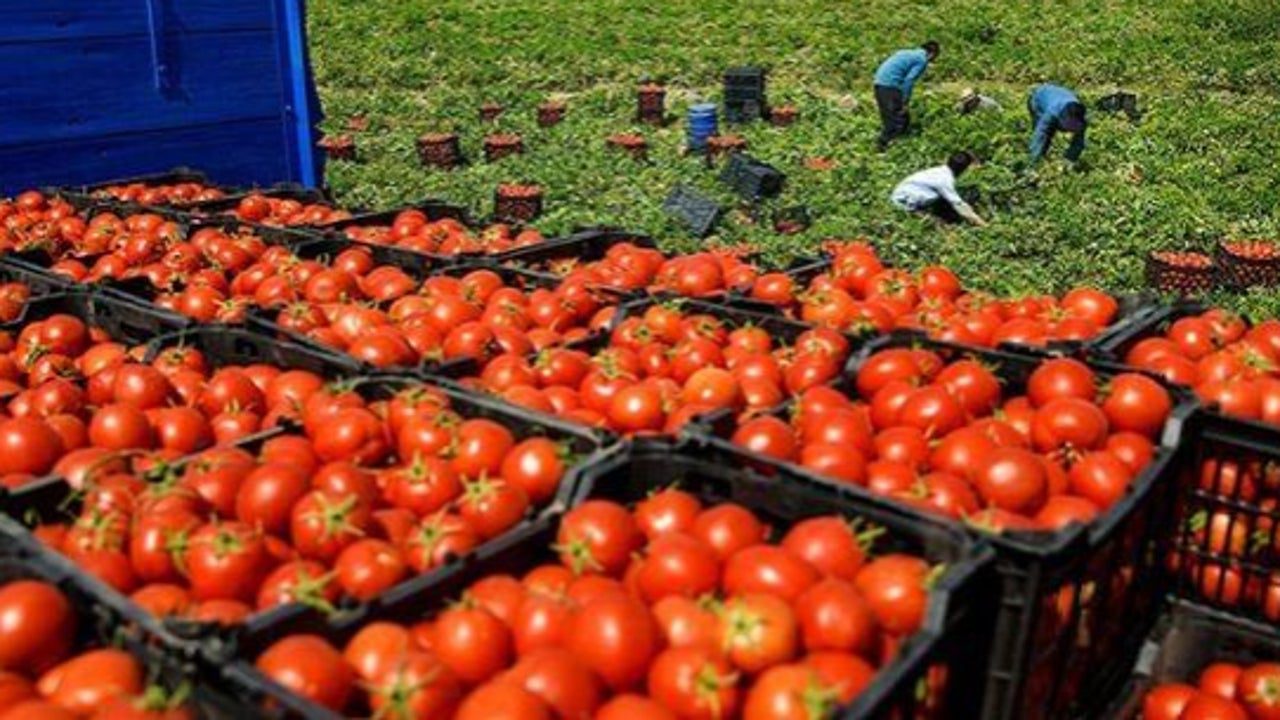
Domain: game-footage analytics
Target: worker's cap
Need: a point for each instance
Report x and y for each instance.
(968, 94)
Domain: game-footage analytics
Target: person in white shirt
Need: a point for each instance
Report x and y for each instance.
(933, 191)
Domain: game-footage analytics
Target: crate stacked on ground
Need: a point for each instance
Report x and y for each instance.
(744, 95)
(851, 288)
(664, 363)
(1202, 663)
(1071, 483)
(1224, 546)
(633, 649)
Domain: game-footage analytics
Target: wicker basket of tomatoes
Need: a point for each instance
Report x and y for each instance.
(1248, 263)
(1183, 274)
(1199, 663)
(699, 543)
(981, 439)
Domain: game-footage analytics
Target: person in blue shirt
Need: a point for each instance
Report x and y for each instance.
(1055, 108)
(895, 79)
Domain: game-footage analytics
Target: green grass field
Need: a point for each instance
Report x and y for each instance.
(1199, 166)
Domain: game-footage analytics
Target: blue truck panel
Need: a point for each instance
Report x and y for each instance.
(114, 88)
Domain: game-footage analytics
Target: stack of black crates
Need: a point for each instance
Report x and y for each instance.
(744, 96)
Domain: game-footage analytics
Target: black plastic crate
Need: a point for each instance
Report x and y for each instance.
(434, 210)
(1187, 639)
(782, 330)
(1224, 541)
(752, 179)
(283, 191)
(700, 213)
(263, 320)
(582, 246)
(956, 630)
(105, 619)
(52, 498)
(122, 321)
(1066, 626)
(95, 192)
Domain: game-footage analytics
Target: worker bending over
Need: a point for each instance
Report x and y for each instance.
(1055, 108)
(895, 79)
(933, 191)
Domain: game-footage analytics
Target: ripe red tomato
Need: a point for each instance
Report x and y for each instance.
(418, 685)
(768, 569)
(225, 561)
(677, 564)
(1258, 688)
(615, 636)
(1136, 403)
(758, 631)
(1166, 701)
(472, 642)
(788, 691)
(560, 680)
(1012, 479)
(598, 535)
(502, 699)
(38, 628)
(311, 667)
(767, 435)
(368, 567)
(833, 616)
(87, 681)
(695, 683)
(895, 588)
(830, 545)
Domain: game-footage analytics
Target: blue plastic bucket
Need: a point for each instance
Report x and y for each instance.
(703, 123)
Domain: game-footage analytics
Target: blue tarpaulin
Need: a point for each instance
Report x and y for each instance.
(97, 89)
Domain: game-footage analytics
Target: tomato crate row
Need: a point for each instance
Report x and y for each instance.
(1078, 564)
(288, 463)
(930, 673)
(850, 286)
(661, 363)
(1219, 665)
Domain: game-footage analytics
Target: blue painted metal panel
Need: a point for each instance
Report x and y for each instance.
(113, 88)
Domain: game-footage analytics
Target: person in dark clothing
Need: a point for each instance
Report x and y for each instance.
(895, 79)
(1055, 108)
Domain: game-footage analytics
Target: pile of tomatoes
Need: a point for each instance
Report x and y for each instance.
(45, 675)
(945, 437)
(368, 493)
(860, 294)
(183, 193)
(1224, 691)
(266, 210)
(1232, 366)
(476, 315)
(670, 609)
(628, 266)
(411, 230)
(665, 364)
